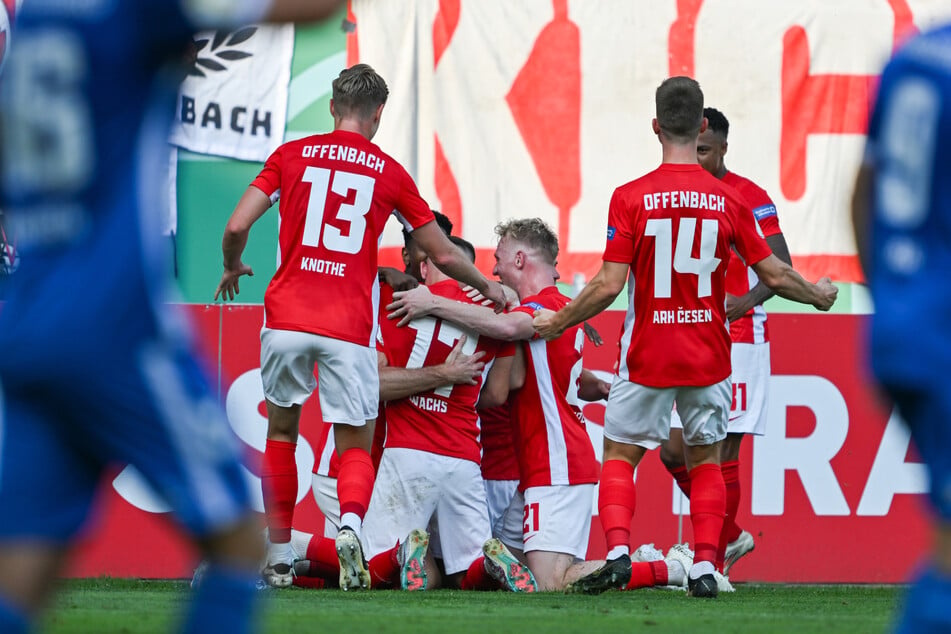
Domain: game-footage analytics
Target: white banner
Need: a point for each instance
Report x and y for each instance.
(504, 109)
(234, 101)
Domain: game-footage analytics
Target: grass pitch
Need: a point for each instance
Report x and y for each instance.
(124, 605)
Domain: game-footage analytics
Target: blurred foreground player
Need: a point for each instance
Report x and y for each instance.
(95, 369)
(902, 216)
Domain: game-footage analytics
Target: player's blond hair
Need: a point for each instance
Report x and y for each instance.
(359, 91)
(533, 232)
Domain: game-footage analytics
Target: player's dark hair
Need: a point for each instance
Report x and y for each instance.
(465, 245)
(717, 122)
(441, 219)
(679, 103)
(532, 232)
(359, 91)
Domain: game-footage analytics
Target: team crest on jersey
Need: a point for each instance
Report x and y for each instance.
(611, 232)
(223, 49)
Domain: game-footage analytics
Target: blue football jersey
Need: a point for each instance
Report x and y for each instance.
(911, 214)
(94, 369)
(87, 94)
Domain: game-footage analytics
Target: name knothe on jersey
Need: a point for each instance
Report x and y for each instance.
(686, 199)
(683, 316)
(335, 152)
(327, 267)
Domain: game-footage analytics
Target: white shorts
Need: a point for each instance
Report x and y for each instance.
(641, 415)
(348, 374)
(499, 494)
(751, 370)
(324, 489)
(555, 519)
(412, 487)
(750, 388)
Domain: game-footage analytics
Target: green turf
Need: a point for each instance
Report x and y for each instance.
(122, 605)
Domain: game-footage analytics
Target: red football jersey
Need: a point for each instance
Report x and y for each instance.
(337, 191)
(676, 227)
(551, 435)
(442, 421)
(740, 278)
(499, 460)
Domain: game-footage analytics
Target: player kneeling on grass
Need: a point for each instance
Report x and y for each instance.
(547, 524)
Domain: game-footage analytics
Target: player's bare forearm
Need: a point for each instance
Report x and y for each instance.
(787, 283)
(495, 389)
(861, 203)
(739, 306)
(506, 327)
(591, 388)
(459, 268)
(596, 296)
(397, 383)
(302, 10)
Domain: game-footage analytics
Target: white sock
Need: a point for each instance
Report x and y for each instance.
(701, 568)
(353, 521)
(618, 551)
(280, 553)
(676, 575)
(300, 541)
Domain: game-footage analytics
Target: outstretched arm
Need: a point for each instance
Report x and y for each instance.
(453, 262)
(596, 296)
(736, 307)
(786, 282)
(252, 206)
(420, 302)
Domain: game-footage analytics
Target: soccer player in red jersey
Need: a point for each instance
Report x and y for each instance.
(749, 354)
(549, 521)
(337, 191)
(430, 466)
(670, 234)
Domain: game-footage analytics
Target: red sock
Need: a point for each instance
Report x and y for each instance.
(647, 574)
(707, 505)
(731, 479)
(279, 487)
(355, 481)
(385, 568)
(314, 583)
(682, 476)
(322, 553)
(477, 578)
(617, 498)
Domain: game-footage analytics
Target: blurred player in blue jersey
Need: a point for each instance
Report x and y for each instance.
(902, 217)
(94, 369)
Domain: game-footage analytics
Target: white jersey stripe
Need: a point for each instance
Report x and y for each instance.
(759, 313)
(628, 330)
(557, 445)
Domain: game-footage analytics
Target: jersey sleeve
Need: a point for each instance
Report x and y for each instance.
(412, 211)
(620, 238)
(764, 210)
(528, 306)
(748, 237)
(269, 179)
